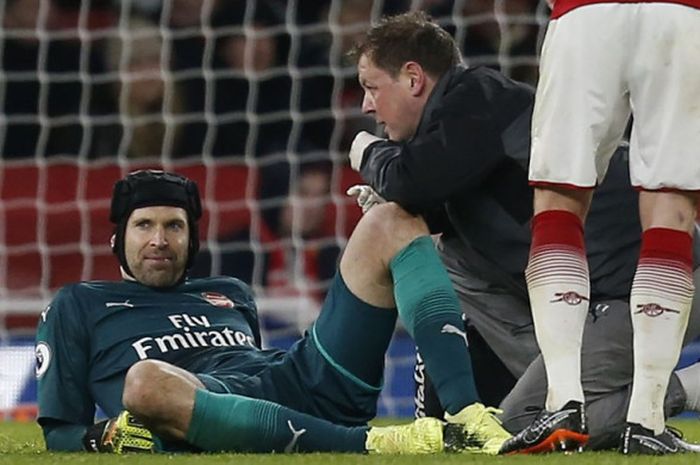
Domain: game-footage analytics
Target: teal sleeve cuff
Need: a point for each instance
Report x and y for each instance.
(64, 437)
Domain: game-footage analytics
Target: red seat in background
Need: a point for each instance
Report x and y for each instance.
(62, 182)
(23, 272)
(224, 190)
(100, 182)
(105, 266)
(65, 268)
(19, 224)
(19, 182)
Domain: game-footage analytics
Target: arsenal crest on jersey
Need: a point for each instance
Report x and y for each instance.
(217, 299)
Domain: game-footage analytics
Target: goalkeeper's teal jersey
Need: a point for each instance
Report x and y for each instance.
(92, 332)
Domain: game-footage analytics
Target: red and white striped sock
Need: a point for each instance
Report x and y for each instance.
(558, 284)
(662, 292)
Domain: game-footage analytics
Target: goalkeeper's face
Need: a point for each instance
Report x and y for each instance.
(156, 243)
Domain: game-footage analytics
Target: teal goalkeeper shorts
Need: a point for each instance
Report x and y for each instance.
(333, 372)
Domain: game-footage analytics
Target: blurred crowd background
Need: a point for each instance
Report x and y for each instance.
(254, 99)
(219, 78)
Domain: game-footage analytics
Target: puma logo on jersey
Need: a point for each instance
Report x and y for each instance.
(597, 311)
(126, 303)
(450, 329)
(45, 312)
(295, 438)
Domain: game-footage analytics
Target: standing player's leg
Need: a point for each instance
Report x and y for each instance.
(559, 290)
(664, 162)
(660, 304)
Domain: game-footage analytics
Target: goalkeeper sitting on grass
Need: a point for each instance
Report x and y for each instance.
(183, 356)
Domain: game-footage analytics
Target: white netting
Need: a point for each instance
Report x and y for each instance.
(254, 100)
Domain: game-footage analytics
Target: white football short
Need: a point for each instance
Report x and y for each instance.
(600, 63)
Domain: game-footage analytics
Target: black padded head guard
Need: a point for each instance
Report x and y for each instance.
(149, 188)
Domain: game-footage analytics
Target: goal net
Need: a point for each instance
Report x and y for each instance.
(254, 100)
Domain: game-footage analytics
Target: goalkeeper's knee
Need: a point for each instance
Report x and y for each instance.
(118, 435)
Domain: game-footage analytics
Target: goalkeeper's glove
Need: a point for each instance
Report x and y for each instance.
(118, 435)
(366, 197)
(357, 150)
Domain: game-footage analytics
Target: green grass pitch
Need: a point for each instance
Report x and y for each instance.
(21, 444)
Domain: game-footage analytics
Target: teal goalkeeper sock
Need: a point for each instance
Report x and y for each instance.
(230, 422)
(429, 308)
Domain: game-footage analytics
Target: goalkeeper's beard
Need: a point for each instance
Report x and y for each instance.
(157, 273)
